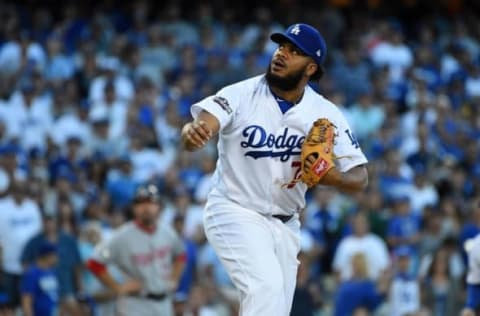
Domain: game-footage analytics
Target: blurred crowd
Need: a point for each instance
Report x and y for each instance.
(92, 99)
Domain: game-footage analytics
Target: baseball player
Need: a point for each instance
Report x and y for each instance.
(151, 257)
(473, 278)
(251, 216)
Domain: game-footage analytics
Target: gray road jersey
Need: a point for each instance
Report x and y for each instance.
(142, 256)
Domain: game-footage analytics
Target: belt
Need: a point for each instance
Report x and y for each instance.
(283, 218)
(152, 296)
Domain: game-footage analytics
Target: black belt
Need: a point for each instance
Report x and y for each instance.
(153, 296)
(283, 218)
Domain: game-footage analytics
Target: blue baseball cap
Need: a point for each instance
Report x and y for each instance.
(307, 38)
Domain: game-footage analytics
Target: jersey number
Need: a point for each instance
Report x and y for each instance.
(296, 177)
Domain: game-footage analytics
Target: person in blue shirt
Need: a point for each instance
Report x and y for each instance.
(39, 284)
(404, 228)
(68, 267)
(188, 277)
(359, 293)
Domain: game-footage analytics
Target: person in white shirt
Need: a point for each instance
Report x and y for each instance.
(404, 296)
(472, 306)
(123, 85)
(115, 109)
(20, 220)
(19, 50)
(29, 116)
(75, 124)
(365, 242)
(149, 162)
(394, 53)
(251, 217)
(422, 193)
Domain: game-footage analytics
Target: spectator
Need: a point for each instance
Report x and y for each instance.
(404, 227)
(101, 143)
(361, 242)
(441, 287)
(395, 180)
(115, 111)
(358, 292)
(110, 67)
(59, 66)
(20, 220)
(404, 296)
(149, 163)
(393, 52)
(188, 277)
(351, 73)
(30, 116)
(20, 50)
(366, 116)
(119, 183)
(39, 284)
(454, 264)
(72, 125)
(422, 193)
(68, 265)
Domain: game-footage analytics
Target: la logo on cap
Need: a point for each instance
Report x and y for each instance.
(295, 30)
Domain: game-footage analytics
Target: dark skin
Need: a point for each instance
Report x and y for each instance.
(286, 60)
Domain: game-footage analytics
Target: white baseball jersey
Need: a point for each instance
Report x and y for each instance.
(473, 276)
(404, 296)
(259, 146)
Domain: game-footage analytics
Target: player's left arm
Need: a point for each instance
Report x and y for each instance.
(177, 269)
(351, 181)
(179, 259)
(350, 172)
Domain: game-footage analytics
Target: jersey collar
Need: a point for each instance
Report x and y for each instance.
(148, 230)
(283, 104)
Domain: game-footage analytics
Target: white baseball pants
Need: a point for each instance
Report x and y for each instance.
(259, 253)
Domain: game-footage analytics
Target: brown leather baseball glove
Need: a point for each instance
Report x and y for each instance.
(319, 145)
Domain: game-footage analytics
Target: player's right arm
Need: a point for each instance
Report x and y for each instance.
(211, 115)
(120, 289)
(105, 253)
(102, 274)
(197, 133)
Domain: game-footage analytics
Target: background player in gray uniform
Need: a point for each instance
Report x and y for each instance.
(151, 257)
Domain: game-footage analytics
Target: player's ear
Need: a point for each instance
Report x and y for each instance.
(311, 69)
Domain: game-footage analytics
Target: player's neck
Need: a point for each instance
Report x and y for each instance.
(149, 229)
(293, 96)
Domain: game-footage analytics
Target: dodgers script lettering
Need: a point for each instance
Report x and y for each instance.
(283, 145)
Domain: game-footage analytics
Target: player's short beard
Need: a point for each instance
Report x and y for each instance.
(147, 221)
(287, 83)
